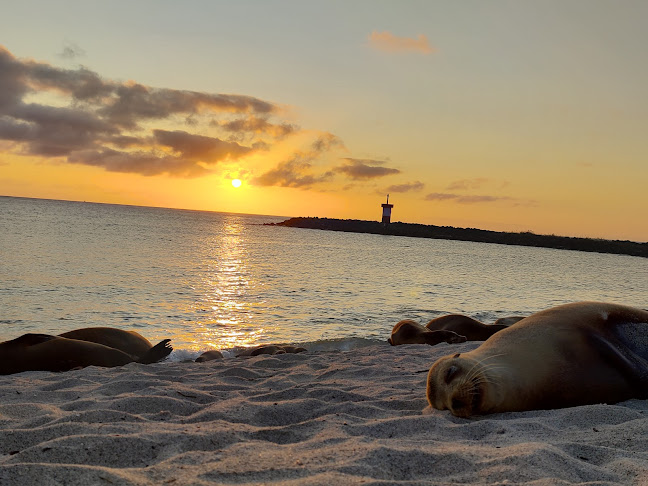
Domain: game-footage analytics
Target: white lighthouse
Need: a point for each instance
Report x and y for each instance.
(386, 215)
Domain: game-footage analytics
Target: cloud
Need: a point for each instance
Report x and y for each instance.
(291, 173)
(71, 51)
(199, 147)
(298, 170)
(256, 124)
(358, 169)
(112, 124)
(80, 117)
(464, 199)
(388, 42)
(467, 184)
(407, 187)
(144, 163)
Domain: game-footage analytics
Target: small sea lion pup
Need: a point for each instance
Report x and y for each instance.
(573, 354)
(106, 347)
(466, 326)
(410, 332)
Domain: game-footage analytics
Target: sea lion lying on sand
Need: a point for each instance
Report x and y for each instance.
(271, 349)
(99, 346)
(466, 326)
(573, 354)
(410, 332)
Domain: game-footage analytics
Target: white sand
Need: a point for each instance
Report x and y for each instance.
(354, 417)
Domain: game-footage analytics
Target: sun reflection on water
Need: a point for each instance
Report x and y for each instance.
(225, 292)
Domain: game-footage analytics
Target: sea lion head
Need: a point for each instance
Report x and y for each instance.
(462, 385)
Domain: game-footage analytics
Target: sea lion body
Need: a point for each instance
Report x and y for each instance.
(130, 342)
(411, 332)
(574, 354)
(44, 352)
(465, 326)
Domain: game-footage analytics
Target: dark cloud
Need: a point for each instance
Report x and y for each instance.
(292, 173)
(199, 147)
(326, 142)
(464, 199)
(144, 163)
(52, 131)
(71, 51)
(298, 170)
(131, 103)
(128, 127)
(12, 80)
(258, 125)
(108, 123)
(364, 169)
(407, 187)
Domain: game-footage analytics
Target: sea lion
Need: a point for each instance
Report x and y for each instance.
(573, 354)
(44, 352)
(271, 349)
(209, 356)
(466, 326)
(410, 332)
(130, 342)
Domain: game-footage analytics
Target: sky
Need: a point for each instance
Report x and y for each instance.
(503, 115)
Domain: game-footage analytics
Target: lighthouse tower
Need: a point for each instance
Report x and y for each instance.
(386, 215)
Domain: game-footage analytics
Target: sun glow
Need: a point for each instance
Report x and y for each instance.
(236, 182)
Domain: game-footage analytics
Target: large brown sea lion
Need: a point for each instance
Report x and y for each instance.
(466, 326)
(573, 354)
(43, 352)
(410, 332)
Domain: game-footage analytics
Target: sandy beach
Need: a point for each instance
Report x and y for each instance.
(342, 417)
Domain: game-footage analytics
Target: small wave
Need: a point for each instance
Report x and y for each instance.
(342, 344)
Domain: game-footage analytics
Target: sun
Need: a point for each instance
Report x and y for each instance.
(236, 182)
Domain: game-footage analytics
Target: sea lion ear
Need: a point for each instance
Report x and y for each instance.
(457, 355)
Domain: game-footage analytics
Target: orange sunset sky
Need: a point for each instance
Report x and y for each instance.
(504, 115)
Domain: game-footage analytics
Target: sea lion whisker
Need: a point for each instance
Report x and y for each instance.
(480, 366)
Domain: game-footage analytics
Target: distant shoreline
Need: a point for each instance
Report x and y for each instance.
(617, 247)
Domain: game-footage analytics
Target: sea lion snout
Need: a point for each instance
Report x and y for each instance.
(450, 387)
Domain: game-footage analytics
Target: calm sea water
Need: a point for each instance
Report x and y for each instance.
(214, 280)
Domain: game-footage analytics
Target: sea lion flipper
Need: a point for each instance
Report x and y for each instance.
(160, 351)
(631, 366)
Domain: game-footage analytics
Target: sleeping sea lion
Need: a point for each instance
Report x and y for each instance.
(43, 352)
(410, 332)
(466, 326)
(573, 354)
(130, 342)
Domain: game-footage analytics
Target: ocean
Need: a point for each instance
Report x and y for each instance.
(210, 280)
